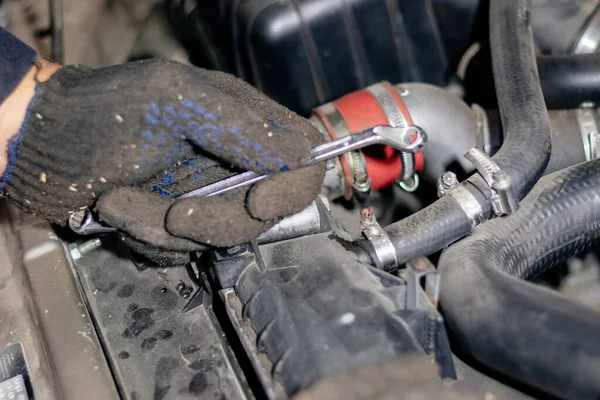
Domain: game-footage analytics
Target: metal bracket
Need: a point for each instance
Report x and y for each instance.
(422, 284)
(502, 195)
(382, 245)
(590, 135)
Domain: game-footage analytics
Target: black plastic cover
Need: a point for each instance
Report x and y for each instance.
(304, 53)
(317, 311)
(307, 52)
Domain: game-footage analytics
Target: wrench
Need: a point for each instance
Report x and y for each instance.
(408, 139)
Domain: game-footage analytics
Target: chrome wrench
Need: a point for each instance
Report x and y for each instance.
(408, 139)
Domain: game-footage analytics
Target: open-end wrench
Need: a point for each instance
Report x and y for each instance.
(408, 139)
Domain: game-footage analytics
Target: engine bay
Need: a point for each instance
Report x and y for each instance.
(465, 267)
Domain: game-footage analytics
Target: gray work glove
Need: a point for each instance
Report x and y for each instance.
(128, 139)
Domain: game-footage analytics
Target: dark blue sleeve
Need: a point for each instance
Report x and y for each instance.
(16, 59)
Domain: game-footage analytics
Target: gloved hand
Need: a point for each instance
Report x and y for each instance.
(128, 138)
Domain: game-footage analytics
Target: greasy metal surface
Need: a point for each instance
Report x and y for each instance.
(156, 350)
(42, 308)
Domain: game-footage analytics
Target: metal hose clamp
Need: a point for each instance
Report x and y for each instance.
(502, 195)
(395, 117)
(385, 253)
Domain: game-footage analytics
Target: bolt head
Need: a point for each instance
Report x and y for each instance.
(75, 254)
(449, 180)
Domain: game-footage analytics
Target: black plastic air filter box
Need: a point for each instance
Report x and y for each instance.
(304, 53)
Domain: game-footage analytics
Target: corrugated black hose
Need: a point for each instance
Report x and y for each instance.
(527, 141)
(522, 330)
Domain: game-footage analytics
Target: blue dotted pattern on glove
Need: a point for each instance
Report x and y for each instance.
(196, 165)
(177, 123)
(168, 123)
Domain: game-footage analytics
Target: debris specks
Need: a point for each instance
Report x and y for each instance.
(88, 186)
(190, 212)
(72, 189)
(179, 97)
(39, 116)
(270, 134)
(133, 145)
(101, 179)
(266, 125)
(208, 242)
(135, 166)
(27, 201)
(43, 177)
(118, 118)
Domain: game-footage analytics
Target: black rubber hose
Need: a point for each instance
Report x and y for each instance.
(522, 330)
(567, 142)
(429, 230)
(569, 80)
(527, 141)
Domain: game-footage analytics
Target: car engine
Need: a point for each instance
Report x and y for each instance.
(465, 270)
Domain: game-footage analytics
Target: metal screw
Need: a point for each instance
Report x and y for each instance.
(78, 251)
